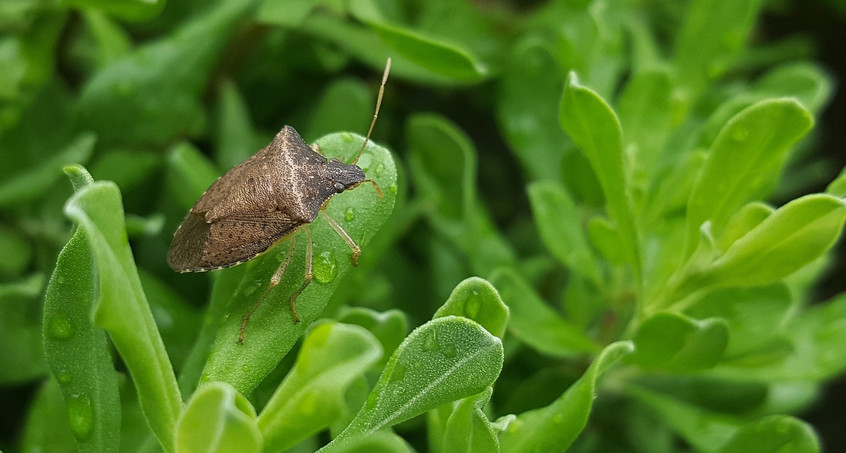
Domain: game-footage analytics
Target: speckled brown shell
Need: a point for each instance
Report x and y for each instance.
(252, 206)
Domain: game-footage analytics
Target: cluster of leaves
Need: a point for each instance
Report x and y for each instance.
(648, 298)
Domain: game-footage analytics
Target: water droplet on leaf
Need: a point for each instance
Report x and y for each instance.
(81, 416)
(349, 214)
(325, 267)
(60, 327)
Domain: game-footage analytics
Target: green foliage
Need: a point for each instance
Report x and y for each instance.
(632, 268)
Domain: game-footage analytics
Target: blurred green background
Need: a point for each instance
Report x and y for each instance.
(228, 77)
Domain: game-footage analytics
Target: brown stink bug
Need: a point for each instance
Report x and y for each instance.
(263, 201)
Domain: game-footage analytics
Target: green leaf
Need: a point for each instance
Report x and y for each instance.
(235, 138)
(528, 103)
(645, 109)
(153, 94)
(468, 428)
(440, 57)
(556, 426)
(78, 352)
(287, 13)
(389, 327)
(441, 361)
(595, 129)
(47, 429)
(190, 173)
(837, 187)
(20, 331)
(442, 162)
(807, 82)
(745, 158)
(28, 185)
(704, 430)
(312, 394)
(218, 419)
(774, 433)
(123, 309)
(755, 317)
(672, 342)
(817, 336)
(742, 222)
(534, 322)
(367, 44)
(18, 253)
(793, 236)
(378, 442)
(560, 225)
(345, 105)
(711, 39)
(710, 431)
(131, 10)
(475, 298)
(271, 331)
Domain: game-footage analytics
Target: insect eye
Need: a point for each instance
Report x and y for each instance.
(339, 187)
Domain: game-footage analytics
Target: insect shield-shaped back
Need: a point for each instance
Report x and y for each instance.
(257, 203)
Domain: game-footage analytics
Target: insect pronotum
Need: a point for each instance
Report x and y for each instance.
(263, 201)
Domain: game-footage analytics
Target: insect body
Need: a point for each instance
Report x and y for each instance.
(263, 200)
(257, 202)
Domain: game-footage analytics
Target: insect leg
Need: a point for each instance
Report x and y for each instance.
(309, 274)
(274, 280)
(356, 250)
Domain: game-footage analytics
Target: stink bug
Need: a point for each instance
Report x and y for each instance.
(264, 200)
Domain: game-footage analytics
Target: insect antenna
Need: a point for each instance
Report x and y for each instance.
(376, 113)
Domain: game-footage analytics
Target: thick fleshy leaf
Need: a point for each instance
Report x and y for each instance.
(712, 36)
(122, 308)
(271, 331)
(312, 394)
(560, 225)
(555, 427)
(774, 433)
(78, 352)
(536, 323)
(441, 361)
(672, 342)
(475, 298)
(152, 94)
(528, 103)
(468, 428)
(595, 129)
(218, 419)
(744, 159)
(28, 185)
(793, 236)
(21, 331)
(711, 431)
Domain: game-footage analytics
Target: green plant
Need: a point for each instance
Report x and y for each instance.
(644, 282)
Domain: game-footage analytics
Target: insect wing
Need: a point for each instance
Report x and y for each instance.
(199, 245)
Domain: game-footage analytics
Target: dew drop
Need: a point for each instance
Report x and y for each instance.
(472, 305)
(380, 167)
(449, 351)
(740, 134)
(349, 214)
(392, 189)
(60, 327)
(245, 368)
(346, 137)
(325, 267)
(64, 377)
(398, 373)
(81, 416)
(430, 343)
